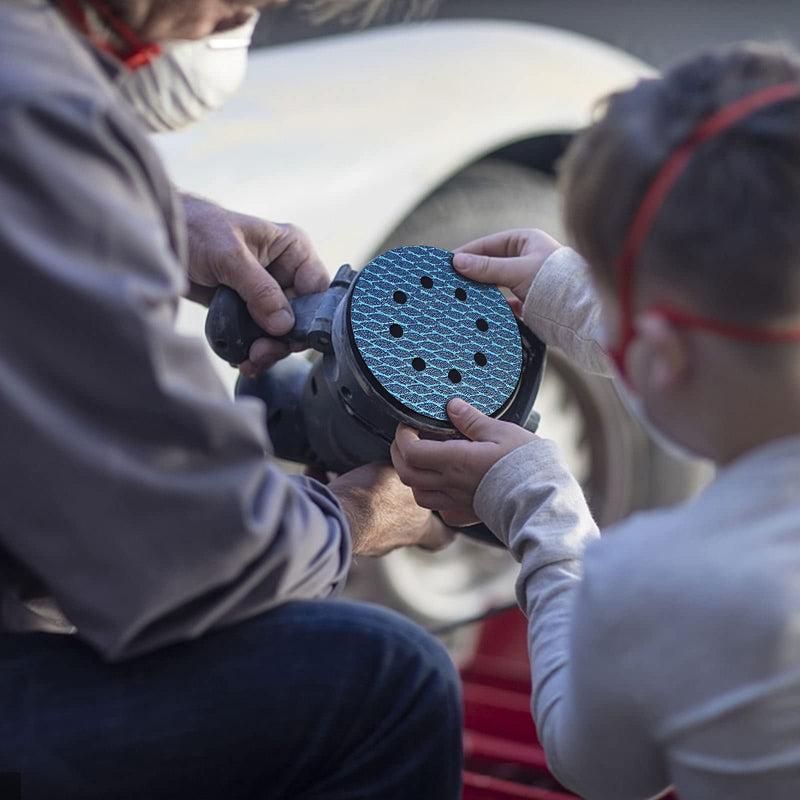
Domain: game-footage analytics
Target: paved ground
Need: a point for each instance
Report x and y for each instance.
(657, 30)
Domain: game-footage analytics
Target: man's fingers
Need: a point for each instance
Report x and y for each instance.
(437, 535)
(292, 260)
(274, 257)
(201, 294)
(263, 354)
(266, 301)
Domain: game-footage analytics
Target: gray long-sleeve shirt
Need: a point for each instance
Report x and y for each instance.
(135, 493)
(668, 652)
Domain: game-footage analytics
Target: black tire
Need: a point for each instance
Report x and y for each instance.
(619, 467)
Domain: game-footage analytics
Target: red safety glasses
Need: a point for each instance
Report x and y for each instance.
(135, 52)
(651, 204)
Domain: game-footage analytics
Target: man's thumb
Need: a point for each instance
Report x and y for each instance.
(470, 421)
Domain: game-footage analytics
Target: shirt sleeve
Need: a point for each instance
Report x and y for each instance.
(583, 703)
(134, 489)
(562, 308)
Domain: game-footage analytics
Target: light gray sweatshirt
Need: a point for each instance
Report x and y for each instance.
(668, 652)
(136, 496)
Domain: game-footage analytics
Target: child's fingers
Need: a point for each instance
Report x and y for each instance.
(414, 477)
(502, 271)
(505, 244)
(405, 448)
(434, 500)
(475, 426)
(425, 454)
(459, 519)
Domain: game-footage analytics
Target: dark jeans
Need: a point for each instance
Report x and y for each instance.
(327, 699)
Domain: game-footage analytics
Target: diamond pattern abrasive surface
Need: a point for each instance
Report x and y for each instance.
(428, 334)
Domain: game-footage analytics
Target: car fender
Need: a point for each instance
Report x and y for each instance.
(345, 135)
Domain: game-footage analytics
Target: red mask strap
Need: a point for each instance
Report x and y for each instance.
(730, 330)
(659, 190)
(137, 53)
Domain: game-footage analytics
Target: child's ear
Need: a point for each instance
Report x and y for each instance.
(667, 353)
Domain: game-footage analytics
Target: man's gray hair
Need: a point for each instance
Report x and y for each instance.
(366, 12)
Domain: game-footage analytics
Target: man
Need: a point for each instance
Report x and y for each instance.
(139, 510)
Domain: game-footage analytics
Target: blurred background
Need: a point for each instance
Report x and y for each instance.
(436, 133)
(657, 31)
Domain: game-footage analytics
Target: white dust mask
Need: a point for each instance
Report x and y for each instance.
(189, 80)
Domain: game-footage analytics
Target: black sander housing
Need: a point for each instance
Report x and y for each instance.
(398, 341)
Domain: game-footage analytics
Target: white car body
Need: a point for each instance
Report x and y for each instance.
(345, 135)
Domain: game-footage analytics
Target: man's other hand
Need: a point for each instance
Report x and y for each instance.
(382, 513)
(264, 262)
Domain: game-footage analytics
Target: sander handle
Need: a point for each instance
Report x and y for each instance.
(230, 330)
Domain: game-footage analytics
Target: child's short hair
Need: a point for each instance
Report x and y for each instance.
(728, 234)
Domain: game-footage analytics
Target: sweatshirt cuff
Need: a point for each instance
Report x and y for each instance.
(563, 310)
(563, 268)
(539, 457)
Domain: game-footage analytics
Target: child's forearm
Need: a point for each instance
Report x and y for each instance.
(531, 501)
(594, 743)
(563, 309)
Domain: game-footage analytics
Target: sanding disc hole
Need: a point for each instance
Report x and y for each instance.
(399, 297)
(461, 294)
(426, 281)
(480, 359)
(454, 375)
(482, 325)
(396, 330)
(418, 364)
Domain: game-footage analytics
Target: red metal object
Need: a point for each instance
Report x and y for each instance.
(483, 787)
(502, 756)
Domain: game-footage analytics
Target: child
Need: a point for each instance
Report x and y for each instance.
(668, 652)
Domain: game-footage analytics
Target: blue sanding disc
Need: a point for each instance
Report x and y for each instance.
(427, 334)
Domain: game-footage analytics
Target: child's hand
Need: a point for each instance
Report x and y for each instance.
(445, 475)
(511, 259)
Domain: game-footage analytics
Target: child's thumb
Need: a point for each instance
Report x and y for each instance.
(470, 421)
(516, 273)
(481, 268)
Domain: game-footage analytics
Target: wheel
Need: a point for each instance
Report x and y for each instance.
(618, 466)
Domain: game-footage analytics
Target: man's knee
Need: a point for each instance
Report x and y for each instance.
(377, 656)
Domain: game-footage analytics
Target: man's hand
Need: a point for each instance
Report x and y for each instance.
(264, 262)
(445, 475)
(382, 513)
(510, 259)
